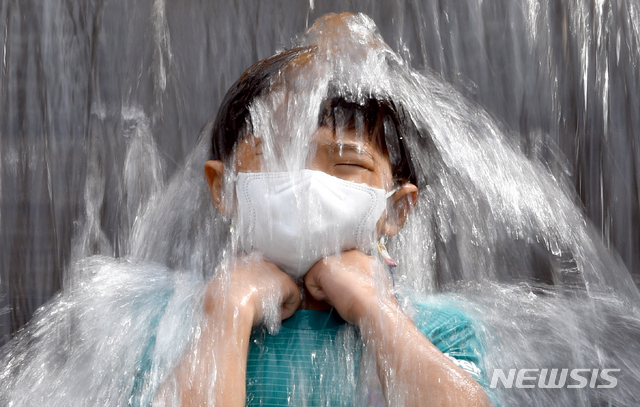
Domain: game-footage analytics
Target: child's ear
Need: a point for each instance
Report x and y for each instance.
(214, 172)
(404, 199)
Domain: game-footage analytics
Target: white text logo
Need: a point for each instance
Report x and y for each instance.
(550, 379)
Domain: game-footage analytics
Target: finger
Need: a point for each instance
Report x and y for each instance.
(290, 294)
(278, 280)
(291, 300)
(314, 287)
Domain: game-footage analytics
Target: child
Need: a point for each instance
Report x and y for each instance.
(309, 199)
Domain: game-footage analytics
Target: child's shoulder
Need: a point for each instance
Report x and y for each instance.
(450, 325)
(443, 319)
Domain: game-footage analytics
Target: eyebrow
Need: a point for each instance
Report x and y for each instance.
(349, 147)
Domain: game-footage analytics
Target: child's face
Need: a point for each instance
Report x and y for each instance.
(343, 154)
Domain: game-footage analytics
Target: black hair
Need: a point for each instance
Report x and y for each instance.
(232, 121)
(386, 120)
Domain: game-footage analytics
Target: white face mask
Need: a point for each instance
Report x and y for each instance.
(297, 218)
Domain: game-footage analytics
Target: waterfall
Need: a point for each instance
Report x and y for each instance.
(532, 105)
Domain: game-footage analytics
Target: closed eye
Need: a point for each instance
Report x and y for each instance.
(351, 170)
(354, 165)
(351, 155)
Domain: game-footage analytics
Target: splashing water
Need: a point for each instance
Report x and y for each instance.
(496, 230)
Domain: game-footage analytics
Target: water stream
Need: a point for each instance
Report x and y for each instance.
(527, 155)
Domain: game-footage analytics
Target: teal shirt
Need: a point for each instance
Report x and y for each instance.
(314, 359)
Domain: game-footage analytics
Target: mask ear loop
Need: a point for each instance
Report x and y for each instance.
(231, 200)
(390, 193)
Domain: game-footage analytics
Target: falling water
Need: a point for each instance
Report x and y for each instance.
(529, 214)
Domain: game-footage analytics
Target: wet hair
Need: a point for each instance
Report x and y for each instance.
(382, 119)
(385, 120)
(232, 121)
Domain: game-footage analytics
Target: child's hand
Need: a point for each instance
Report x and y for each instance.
(233, 303)
(357, 287)
(246, 285)
(352, 282)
